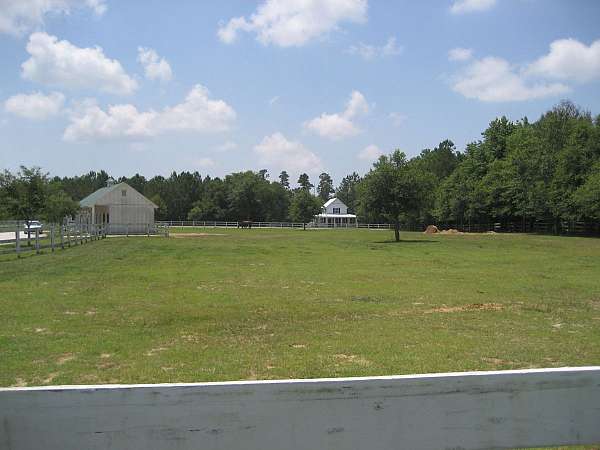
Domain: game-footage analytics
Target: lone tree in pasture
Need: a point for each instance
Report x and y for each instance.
(325, 186)
(304, 207)
(394, 189)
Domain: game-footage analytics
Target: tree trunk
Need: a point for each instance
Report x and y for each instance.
(397, 231)
(304, 226)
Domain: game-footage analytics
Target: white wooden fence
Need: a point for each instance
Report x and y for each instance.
(226, 224)
(476, 410)
(20, 240)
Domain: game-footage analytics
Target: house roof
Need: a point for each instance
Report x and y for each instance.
(96, 196)
(331, 200)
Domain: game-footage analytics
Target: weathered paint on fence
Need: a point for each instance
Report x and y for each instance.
(459, 410)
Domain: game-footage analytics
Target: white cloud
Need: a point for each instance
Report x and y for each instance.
(467, 6)
(569, 59)
(98, 6)
(155, 67)
(397, 119)
(197, 113)
(370, 153)
(226, 146)
(274, 100)
(288, 23)
(340, 125)
(493, 79)
(370, 52)
(277, 152)
(460, 54)
(60, 63)
(18, 17)
(36, 106)
(205, 163)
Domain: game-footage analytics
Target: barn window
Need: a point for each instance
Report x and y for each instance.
(123, 193)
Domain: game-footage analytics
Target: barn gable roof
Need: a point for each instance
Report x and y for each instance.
(96, 197)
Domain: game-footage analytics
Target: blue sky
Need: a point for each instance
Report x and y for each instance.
(150, 86)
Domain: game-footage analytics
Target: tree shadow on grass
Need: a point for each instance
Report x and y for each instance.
(408, 241)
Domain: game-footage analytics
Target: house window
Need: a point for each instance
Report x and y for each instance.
(123, 193)
(336, 210)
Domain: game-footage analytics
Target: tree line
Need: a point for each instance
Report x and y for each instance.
(521, 171)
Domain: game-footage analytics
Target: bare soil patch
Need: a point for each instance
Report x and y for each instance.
(451, 231)
(352, 359)
(463, 308)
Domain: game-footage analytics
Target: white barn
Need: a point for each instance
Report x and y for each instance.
(120, 207)
(334, 213)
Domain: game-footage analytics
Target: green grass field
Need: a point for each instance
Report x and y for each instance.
(264, 304)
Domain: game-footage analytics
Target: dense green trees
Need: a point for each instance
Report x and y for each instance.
(526, 172)
(518, 172)
(347, 191)
(31, 195)
(325, 187)
(304, 182)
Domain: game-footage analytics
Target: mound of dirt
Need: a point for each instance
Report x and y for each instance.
(451, 231)
(431, 229)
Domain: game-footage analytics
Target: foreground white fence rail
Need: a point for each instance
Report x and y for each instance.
(477, 410)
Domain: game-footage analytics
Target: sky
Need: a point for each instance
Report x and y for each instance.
(151, 87)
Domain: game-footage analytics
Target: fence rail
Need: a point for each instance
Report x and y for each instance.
(228, 224)
(476, 410)
(15, 237)
(18, 239)
(569, 228)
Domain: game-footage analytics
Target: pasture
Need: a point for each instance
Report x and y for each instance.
(228, 304)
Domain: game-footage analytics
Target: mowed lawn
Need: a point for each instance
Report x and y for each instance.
(264, 304)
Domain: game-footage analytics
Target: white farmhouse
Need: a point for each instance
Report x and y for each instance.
(334, 213)
(120, 207)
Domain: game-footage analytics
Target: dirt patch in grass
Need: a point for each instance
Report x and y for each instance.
(451, 231)
(194, 235)
(464, 308)
(19, 382)
(156, 350)
(352, 359)
(65, 359)
(50, 378)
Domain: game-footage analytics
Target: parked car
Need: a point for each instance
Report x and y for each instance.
(32, 225)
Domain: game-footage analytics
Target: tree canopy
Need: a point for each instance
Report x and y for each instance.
(518, 171)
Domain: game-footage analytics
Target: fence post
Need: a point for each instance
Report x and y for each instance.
(148, 229)
(37, 240)
(62, 240)
(52, 238)
(18, 241)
